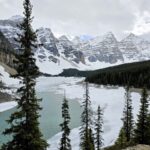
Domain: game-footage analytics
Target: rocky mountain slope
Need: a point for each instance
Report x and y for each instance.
(134, 48)
(6, 50)
(102, 49)
(4, 43)
(55, 54)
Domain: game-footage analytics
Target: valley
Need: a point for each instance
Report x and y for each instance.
(82, 54)
(76, 59)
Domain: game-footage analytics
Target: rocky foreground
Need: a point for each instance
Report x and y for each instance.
(139, 147)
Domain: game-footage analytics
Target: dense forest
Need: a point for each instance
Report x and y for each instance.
(76, 73)
(133, 74)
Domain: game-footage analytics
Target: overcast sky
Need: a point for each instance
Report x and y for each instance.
(85, 17)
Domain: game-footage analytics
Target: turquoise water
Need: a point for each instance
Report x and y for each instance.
(50, 115)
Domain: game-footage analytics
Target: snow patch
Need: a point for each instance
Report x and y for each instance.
(5, 77)
(7, 105)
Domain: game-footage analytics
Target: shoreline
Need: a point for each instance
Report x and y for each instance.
(7, 105)
(6, 101)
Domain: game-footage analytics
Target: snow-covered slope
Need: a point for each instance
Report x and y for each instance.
(10, 29)
(5, 77)
(55, 54)
(10, 82)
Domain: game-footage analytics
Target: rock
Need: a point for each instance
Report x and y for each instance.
(139, 147)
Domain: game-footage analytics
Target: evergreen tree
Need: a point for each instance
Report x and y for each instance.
(98, 129)
(128, 116)
(122, 140)
(24, 124)
(91, 139)
(65, 141)
(86, 135)
(141, 133)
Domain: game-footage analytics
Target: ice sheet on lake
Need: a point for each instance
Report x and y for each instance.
(111, 99)
(7, 105)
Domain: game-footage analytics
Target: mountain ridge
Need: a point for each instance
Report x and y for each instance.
(93, 53)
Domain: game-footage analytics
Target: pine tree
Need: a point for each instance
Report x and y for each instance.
(91, 139)
(141, 133)
(128, 116)
(98, 129)
(65, 141)
(86, 135)
(24, 124)
(121, 142)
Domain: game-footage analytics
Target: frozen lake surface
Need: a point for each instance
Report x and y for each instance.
(52, 89)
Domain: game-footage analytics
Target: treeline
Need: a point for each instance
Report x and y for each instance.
(76, 73)
(133, 74)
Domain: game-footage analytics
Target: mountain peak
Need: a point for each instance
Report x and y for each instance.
(64, 38)
(135, 40)
(44, 29)
(44, 32)
(16, 18)
(109, 35)
(132, 35)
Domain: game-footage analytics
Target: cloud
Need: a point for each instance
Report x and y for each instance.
(9, 8)
(142, 24)
(77, 17)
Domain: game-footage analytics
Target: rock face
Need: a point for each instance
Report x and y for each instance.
(4, 43)
(135, 48)
(67, 49)
(92, 53)
(53, 48)
(102, 49)
(6, 51)
(47, 39)
(139, 147)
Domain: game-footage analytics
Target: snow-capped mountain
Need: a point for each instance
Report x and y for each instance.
(134, 48)
(55, 54)
(48, 41)
(10, 29)
(102, 49)
(68, 50)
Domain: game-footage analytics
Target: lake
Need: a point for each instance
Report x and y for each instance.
(111, 99)
(50, 115)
